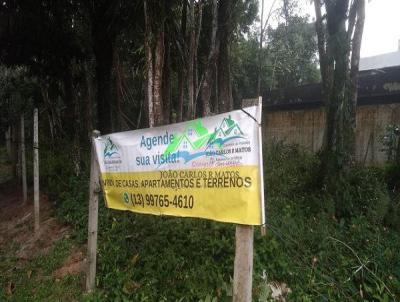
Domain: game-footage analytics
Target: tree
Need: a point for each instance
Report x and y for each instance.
(339, 33)
(291, 49)
(107, 19)
(154, 50)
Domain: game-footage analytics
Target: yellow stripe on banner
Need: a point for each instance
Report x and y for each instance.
(227, 194)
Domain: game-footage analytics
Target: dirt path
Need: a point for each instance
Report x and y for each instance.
(20, 247)
(16, 223)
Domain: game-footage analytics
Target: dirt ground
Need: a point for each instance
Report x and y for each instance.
(17, 237)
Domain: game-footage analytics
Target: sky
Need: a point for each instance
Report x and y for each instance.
(381, 29)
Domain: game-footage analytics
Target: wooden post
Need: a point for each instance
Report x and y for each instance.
(243, 270)
(94, 189)
(244, 237)
(36, 169)
(23, 161)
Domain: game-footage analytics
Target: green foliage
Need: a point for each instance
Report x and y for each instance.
(18, 90)
(392, 218)
(361, 192)
(150, 258)
(391, 143)
(33, 281)
(292, 48)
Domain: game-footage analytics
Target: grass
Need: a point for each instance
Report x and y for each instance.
(320, 253)
(33, 280)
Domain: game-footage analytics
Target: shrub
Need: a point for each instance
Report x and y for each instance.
(289, 170)
(361, 192)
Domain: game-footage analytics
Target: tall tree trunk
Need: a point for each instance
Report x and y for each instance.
(77, 142)
(89, 102)
(339, 50)
(167, 82)
(212, 57)
(119, 93)
(154, 39)
(158, 78)
(182, 73)
(103, 50)
(224, 70)
(149, 64)
(350, 109)
(260, 46)
(190, 61)
(197, 109)
(68, 128)
(14, 153)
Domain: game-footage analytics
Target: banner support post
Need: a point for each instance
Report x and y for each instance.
(244, 240)
(243, 266)
(94, 190)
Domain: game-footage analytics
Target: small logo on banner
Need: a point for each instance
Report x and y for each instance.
(111, 152)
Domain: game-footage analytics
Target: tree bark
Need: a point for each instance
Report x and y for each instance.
(190, 61)
(212, 57)
(224, 71)
(339, 43)
(350, 119)
(182, 73)
(158, 78)
(149, 65)
(154, 39)
(89, 102)
(103, 51)
(167, 82)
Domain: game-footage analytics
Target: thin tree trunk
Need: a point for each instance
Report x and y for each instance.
(158, 77)
(89, 102)
(119, 92)
(224, 72)
(195, 63)
(260, 46)
(350, 120)
(154, 38)
(339, 50)
(212, 57)
(190, 61)
(77, 142)
(149, 65)
(167, 83)
(182, 73)
(103, 50)
(8, 142)
(14, 153)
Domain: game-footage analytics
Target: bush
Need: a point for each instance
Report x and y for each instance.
(289, 171)
(361, 192)
(148, 258)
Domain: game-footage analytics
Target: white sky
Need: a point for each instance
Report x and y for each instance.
(381, 29)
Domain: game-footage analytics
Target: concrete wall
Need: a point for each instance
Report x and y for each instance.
(306, 128)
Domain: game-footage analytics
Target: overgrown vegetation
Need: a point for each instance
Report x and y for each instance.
(325, 246)
(33, 281)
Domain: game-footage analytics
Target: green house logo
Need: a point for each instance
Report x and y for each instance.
(196, 139)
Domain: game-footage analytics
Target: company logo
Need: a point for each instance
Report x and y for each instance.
(110, 149)
(111, 152)
(197, 141)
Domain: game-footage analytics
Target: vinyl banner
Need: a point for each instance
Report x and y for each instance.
(207, 168)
